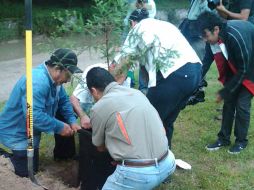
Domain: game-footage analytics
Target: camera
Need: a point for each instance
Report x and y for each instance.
(212, 4)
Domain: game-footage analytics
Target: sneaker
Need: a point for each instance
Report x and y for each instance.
(236, 149)
(215, 146)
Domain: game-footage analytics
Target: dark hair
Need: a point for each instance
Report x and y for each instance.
(98, 78)
(140, 1)
(139, 14)
(208, 20)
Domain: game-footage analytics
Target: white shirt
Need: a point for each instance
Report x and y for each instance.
(82, 92)
(159, 37)
(152, 11)
(197, 7)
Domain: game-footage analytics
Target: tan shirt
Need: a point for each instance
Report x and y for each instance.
(146, 135)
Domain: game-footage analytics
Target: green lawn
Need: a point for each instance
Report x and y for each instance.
(194, 128)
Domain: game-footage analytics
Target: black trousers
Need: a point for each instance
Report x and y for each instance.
(171, 94)
(236, 108)
(19, 161)
(64, 146)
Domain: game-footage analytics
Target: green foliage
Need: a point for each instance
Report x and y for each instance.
(160, 56)
(10, 28)
(11, 10)
(106, 25)
(68, 22)
(49, 21)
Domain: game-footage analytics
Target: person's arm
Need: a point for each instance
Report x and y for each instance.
(243, 15)
(240, 53)
(129, 48)
(65, 107)
(207, 60)
(84, 119)
(66, 110)
(42, 121)
(98, 133)
(130, 45)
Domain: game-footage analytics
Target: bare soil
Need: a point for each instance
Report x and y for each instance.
(52, 177)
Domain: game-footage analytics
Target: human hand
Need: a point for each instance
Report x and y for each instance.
(221, 8)
(112, 67)
(75, 127)
(218, 98)
(85, 122)
(119, 71)
(66, 131)
(120, 78)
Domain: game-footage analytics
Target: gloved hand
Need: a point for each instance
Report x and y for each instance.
(198, 96)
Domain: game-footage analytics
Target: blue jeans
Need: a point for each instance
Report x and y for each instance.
(143, 178)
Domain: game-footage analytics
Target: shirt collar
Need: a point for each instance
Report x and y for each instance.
(50, 77)
(109, 87)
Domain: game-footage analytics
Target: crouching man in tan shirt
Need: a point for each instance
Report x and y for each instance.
(128, 126)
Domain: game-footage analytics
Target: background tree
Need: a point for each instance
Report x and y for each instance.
(106, 26)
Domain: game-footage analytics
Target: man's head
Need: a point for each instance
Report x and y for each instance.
(97, 79)
(210, 26)
(62, 64)
(138, 15)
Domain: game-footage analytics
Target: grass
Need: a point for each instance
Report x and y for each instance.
(194, 128)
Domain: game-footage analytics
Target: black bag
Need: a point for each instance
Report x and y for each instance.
(94, 166)
(64, 146)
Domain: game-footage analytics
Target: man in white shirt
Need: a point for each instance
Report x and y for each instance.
(81, 98)
(173, 67)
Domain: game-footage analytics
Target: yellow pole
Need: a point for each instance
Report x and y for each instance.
(29, 90)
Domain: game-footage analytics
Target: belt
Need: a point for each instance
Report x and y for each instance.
(142, 163)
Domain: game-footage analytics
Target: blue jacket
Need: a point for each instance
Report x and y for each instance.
(47, 99)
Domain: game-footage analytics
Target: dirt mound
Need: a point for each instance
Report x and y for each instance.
(10, 181)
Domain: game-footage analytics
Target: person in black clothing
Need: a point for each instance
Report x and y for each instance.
(238, 10)
(231, 9)
(232, 49)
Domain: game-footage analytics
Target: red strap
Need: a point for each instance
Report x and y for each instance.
(122, 128)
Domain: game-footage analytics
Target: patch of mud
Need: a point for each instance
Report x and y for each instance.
(50, 177)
